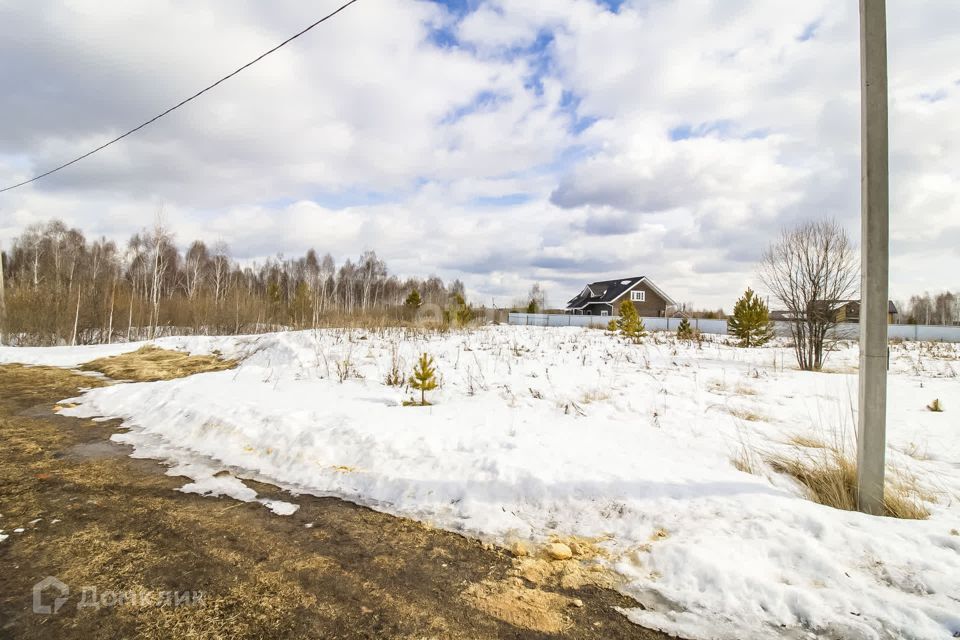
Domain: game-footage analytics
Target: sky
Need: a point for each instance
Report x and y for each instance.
(502, 142)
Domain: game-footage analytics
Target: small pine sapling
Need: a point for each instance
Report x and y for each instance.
(685, 331)
(751, 321)
(612, 325)
(423, 379)
(629, 323)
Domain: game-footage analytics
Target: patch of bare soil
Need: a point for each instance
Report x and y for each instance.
(149, 364)
(95, 518)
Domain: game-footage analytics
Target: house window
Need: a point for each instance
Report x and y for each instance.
(638, 296)
(604, 313)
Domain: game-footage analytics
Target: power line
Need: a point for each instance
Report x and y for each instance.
(183, 102)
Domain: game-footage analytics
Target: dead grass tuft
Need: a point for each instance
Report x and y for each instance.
(745, 460)
(808, 442)
(149, 364)
(594, 395)
(936, 406)
(746, 414)
(830, 476)
(744, 390)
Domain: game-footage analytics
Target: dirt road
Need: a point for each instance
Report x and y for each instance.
(171, 565)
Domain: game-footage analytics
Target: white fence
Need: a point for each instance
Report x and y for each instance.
(651, 324)
(851, 331)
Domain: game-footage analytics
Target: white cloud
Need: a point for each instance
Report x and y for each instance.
(558, 141)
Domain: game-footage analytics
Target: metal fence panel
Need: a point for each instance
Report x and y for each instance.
(719, 327)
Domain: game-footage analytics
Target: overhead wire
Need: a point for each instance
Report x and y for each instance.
(183, 102)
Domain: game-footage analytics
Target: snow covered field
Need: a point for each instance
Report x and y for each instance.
(564, 431)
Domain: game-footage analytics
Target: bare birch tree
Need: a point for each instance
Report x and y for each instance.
(811, 270)
(158, 243)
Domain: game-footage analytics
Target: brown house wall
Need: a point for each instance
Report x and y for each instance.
(652, 307)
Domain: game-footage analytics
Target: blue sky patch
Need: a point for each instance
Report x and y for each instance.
(934, 96)
(720, 128)
(507, 200)
(810, 31)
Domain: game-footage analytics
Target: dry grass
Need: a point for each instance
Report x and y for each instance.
(717, 386)
(745, 460)
(594, 395)
(830, 476)
(746, 414)
(808, 442)
(936, 406)
(915, 451)
(149, 364)
(24, 386)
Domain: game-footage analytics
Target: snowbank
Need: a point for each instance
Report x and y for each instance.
(569, 431)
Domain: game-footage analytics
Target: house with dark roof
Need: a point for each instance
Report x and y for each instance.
(605, 297)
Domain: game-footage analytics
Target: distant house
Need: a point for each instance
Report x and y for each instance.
(604, 298)
(842, 310)
(849, 311)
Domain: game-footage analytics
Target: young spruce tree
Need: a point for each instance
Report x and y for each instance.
(413, 300)
(630, 324)
(423, 378)
(685, 331)
(751, 320)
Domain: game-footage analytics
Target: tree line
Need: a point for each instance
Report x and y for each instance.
(942, 309)
(56, 287)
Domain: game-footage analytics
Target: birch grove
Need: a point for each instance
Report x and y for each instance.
(57, 287)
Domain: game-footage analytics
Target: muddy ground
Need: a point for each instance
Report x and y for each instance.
(93, 517)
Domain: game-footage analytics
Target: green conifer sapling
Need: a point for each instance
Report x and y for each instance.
(424, 377)
(751, 320)
(413, 300)
(629, 323)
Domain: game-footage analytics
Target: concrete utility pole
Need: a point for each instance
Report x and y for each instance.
(875, 233)
(3, 307)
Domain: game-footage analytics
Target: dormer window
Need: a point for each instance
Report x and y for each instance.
(638, 296)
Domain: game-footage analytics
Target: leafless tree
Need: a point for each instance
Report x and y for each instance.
(155, 288)
(197, 262)
(811, 270)
(945, 305)
(537, 298)
(159, 241)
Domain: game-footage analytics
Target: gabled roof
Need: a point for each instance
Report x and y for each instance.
(609, 291)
